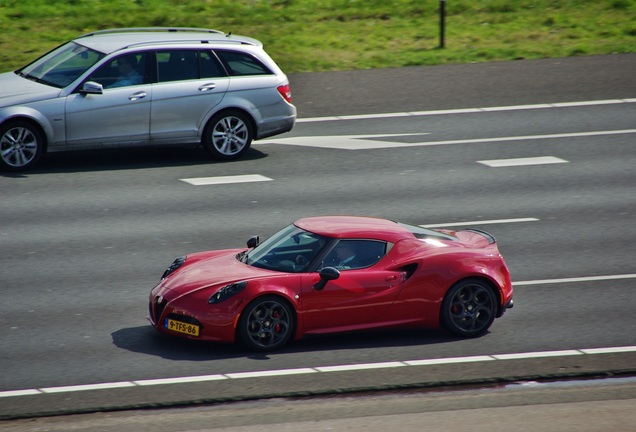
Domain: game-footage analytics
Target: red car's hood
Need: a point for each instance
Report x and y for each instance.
(210, 269)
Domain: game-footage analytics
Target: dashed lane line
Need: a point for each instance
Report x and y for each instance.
(206, 181)
(540, 160)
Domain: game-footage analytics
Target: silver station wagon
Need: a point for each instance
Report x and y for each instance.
(143, 86)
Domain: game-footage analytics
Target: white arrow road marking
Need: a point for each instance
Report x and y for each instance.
(365, 142)
(342, 142)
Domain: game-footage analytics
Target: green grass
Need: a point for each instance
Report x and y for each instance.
(312, 35)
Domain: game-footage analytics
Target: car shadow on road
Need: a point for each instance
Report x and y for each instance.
(126, 159)
(146, 340)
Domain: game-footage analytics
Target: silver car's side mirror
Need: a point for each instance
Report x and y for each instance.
(91, 87)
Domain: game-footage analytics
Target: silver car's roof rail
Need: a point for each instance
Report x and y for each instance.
(153, 29)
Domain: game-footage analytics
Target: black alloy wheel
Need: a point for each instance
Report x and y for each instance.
(266, 324)
(469, 308)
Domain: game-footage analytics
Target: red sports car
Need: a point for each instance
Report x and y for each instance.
(333, 274)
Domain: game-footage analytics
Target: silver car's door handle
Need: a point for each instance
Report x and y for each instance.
(207, 87)
(138, 95)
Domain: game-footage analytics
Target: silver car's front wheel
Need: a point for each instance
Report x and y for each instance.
(21, 145)
(228, 135)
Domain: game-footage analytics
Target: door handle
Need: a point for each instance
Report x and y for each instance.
(207, 87)
(390, 278)
(138, 95)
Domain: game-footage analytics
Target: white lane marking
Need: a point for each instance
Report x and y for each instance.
(607, 350)
(271, 373)
(205, 181)
(180, 380)
(466, 110)
(368, 142)
(344, 142)
(576, 279)
(452, 360)
(323, 369)
(84, 387)
(481, 222)
(541, 160)
(14, 393)
(362, 366)
(540, 354)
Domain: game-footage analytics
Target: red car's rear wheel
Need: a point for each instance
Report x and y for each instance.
(266, 324)
(469, 308)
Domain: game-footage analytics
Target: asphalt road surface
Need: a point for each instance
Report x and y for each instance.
(538, 153)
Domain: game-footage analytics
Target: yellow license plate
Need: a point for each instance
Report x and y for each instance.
(181, 327)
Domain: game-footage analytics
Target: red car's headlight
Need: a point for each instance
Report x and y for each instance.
(227, 292)
(178, 262)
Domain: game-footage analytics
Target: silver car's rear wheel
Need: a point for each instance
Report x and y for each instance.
(266, 324)
(228, 135)
(21, 146)
(469, 308)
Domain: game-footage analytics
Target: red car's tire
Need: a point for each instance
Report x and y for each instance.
(266, 324)
(469, 308)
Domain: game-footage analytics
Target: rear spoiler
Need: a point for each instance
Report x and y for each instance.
(490, 237)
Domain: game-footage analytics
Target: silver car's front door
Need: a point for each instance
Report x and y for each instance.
(118, 116)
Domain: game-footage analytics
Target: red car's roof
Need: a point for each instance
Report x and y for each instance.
(354, 227)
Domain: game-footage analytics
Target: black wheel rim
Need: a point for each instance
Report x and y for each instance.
(268, 324)
(472, 308)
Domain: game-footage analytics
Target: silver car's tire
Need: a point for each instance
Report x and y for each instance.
(228, 135)
(21, 145)
(266, 324)
(469, 308)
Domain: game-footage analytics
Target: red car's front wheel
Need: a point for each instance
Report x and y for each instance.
(266, 324)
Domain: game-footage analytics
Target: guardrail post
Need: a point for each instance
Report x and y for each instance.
(442, 22)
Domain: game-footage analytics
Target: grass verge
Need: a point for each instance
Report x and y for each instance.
(313, 35)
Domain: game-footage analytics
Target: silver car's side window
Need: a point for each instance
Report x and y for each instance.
(242, 64)
(210, 66)
(177, 65)
(181, 65)
(123, 71)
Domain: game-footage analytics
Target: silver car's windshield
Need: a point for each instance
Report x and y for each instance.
(289, 250)
(61, 66)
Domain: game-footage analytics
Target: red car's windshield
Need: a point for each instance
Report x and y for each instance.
(289, 250)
